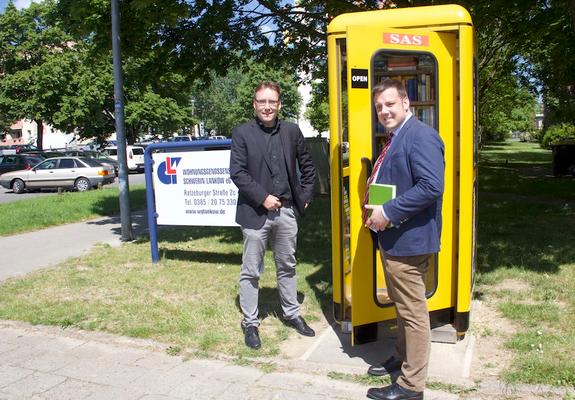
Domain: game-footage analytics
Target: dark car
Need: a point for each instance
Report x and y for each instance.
(16, 162)
(44, 153)
(22, 148)
(98, 155)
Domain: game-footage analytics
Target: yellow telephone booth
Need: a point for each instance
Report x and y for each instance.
(431, 49)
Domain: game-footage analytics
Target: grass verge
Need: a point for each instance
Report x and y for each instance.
(526, 259)
(67, 207)
(188, 300)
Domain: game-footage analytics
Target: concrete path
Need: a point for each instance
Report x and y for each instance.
(27, 252)
(39, 362)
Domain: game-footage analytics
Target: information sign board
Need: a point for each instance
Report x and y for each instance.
(194, 188)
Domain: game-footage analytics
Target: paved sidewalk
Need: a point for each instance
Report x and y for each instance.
(51, 363)
(27, 252)
(39, 362)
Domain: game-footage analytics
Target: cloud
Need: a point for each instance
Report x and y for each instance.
(22, 3)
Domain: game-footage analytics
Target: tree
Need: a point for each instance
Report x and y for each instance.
(227, 101)
(509, 108)
(190, 38)
(533, 38)
(317, 111)
(67, 82)
(32, 57)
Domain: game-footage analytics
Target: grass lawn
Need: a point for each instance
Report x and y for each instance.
(190, 299)
(526, 259)
(42, 212)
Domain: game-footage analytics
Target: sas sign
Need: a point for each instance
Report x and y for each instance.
(406, 39)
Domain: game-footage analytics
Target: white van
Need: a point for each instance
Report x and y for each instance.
(135, 156)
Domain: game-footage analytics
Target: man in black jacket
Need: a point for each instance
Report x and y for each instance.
(265, 157)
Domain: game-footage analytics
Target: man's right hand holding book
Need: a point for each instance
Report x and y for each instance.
(376, 221)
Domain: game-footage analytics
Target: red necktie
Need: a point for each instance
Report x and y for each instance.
(373, 175)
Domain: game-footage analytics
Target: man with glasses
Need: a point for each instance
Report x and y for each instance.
(265, 157)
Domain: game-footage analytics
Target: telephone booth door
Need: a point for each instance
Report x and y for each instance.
(427, 62)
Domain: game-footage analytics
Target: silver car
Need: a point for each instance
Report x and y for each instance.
(78, 173)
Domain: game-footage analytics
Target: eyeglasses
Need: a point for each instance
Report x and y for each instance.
(271, 103)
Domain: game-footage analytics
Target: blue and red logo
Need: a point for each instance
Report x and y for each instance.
(167, 170)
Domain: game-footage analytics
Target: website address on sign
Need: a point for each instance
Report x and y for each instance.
(205, 211)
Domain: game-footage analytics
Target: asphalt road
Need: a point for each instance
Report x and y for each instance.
(7, 196)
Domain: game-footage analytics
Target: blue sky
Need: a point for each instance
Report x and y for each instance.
(18, 3)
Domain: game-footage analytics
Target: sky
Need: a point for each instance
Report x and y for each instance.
(17, 3)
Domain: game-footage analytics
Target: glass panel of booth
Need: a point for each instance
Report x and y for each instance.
(345, 213)
(418, 72)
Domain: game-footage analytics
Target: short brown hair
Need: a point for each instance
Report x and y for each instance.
(268, 85)
(389, 83)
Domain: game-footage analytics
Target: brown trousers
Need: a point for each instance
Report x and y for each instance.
(405, 280)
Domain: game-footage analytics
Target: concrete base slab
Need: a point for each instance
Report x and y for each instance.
(449, 362)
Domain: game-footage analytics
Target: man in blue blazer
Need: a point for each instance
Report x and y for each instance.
(265, 157)
(408, 230)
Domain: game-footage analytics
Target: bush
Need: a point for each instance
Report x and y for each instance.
(535, 135)
(557, 133)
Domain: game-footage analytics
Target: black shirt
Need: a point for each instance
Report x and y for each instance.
(281, 187)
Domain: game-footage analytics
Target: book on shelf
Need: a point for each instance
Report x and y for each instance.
(401, 63)
(426, 114)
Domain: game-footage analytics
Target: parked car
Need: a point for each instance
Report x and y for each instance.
(217, 137)
(15, 162)
(183, 138)
(104, 158)
(135, 156)
(6, 149)
(21, 148)
(44, 153)
(78, 173)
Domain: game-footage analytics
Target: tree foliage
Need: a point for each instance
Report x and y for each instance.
(33, 58)
(560, 133)
(317, 111)
(170, 44)
(228, 100)
(67, 81)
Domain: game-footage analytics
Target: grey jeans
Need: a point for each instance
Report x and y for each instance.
(279, 232)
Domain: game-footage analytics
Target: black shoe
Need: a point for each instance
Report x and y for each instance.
(300, 326)
(252, 337)
(394, 392)
(387, 367)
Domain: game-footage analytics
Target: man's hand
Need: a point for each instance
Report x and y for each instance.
(376, 222)
(272, 203)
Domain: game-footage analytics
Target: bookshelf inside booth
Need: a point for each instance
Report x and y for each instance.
(418, 72)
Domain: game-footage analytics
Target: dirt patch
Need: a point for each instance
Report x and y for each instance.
(490, 358)
(511, 285)
(491, 332)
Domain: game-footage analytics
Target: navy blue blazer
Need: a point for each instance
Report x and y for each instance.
(415, 164)
(250, 170)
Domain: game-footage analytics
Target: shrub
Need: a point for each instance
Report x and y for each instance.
(557, 133)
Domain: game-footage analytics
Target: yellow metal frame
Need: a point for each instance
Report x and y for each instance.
(451, 42)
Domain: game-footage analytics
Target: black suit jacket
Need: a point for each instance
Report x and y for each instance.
(251, 172)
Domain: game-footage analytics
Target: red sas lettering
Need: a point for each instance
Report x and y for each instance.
(405, 39)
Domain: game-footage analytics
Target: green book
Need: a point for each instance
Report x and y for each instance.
(380, 193)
